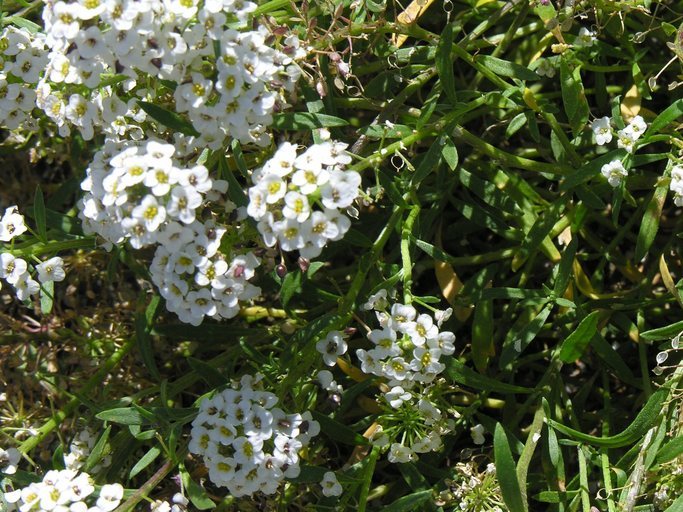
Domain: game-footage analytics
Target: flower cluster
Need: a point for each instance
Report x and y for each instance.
(22, 59)
(627, 137)
(406, 352)
(65, 490)
(298, 199)
(231, 79)
(140, 193)
(247, 443)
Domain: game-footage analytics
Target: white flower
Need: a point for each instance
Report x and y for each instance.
(332, 346)
(51, 270)
(110, 497)
(330, 484)
(614, 172)
(9, 460)
(377, 301)
(637, 126)
(12, 269)
(399, 453)
(602, 130)
(626, 138)
(396, 396)
(11, 225)
(585, 38)
(545, 68)
(477, 433)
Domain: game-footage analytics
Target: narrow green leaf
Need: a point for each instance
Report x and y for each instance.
(144, 320)
(519, 342)
(647, 417)
(574, 345)
(444, 62)
(507, 472)
(47, 293)
(506, 68)
(169, 119)
(208, 373)
(22, 23)
(650, 223)
(663, 333)
(668, 115)
(97, 452)
(429, 163)
(538, 232)
(515, 124)
(413, 477)
(461, 374)
(564, 270)
(482, 335)
(39, 214)
(291, 285)
(338, 432)
(195, 492)
(122, 415)
(676, 506)
(145, 461)
(450, 153)
(528, 451)
(305, 121)
(670, 450)
(573, 97)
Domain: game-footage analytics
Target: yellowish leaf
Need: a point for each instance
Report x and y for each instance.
(410, 15)
(668, 280)
(630, 105)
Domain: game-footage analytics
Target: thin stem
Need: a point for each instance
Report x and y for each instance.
(406, 232)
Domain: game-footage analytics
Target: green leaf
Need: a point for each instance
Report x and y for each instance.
(430, 162)
(291, 285)
(39, 214)
(414, 501)
(22, 23)
(144, 320)
(338, 432)
(207, 373)
(461, 374)
(444, 62)
(663, 333)
(650, 223)
(123, 416)
(145, 461)
(528, 451)
(482, 335)
(507, 471)
(506, 68)
(47, 293)
(450, 153)
(668, 115)
(97, 452)
(564, 269)
(647, 417)
(670, 450)
(309, 475)
(305, 121)
(573, 97)
(574, 345)
(195, 492)
(515, 125)
(169, 119)
(538, 232)
(521, 340)
(676, 506)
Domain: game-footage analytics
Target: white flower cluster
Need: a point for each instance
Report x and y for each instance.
(140, 193)
(627, 137)
(676, 185)
(16, 270)
(23, 56)
(298, 199)
(247, 443)
(407, 352)
(80, 449)
(472, 490)
(65, 491)
(86, 42)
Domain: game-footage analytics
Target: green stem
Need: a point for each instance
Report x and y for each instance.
(604, 452)
(583, 479)
(147, 487)
(95, 381)
(53, 247)
(406, 232)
